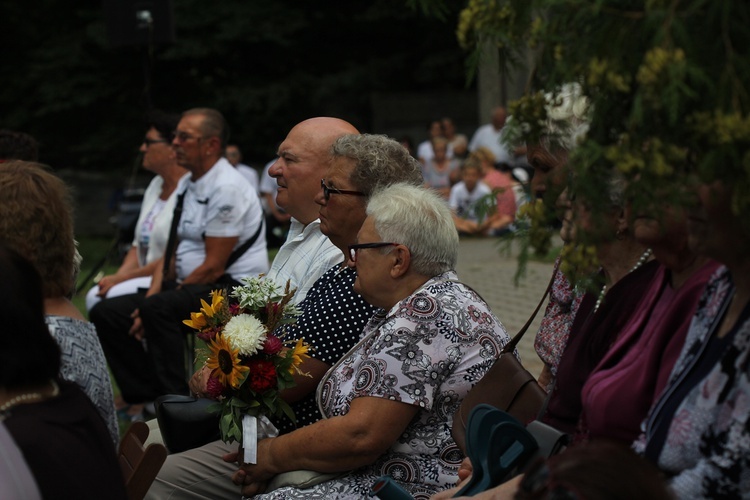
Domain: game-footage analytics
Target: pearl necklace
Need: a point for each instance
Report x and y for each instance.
(30, 396)
(641, 260)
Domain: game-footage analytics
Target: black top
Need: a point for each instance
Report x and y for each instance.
(67, 446)
(332, 320)
(591, 336)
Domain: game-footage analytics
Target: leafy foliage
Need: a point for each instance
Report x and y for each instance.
(667, 79)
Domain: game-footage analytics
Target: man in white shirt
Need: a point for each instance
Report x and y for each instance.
(220, 239)
(490, 136)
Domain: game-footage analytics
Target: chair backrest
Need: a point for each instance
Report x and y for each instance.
(139, 465)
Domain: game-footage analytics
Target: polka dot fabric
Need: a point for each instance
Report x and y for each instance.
(332, 320)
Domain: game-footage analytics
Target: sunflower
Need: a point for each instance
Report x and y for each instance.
(197, 321)
(299, 354)
(224, 363)
(216, 299)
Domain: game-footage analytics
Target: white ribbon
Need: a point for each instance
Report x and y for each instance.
(254, 429)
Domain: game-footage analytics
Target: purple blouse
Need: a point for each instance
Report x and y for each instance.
(592, 334)
(618, 393)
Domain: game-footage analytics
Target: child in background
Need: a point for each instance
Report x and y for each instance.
(466, 195)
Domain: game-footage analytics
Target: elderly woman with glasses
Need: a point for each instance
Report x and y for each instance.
(389, 402)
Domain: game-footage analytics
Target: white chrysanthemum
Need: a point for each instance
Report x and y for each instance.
(245, 333)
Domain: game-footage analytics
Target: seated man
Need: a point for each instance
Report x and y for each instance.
(220, 240)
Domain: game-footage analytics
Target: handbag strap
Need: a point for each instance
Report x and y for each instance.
(510, 346)
(172, 240)
(237, 253)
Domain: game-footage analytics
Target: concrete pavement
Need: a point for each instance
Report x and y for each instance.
(483, 266)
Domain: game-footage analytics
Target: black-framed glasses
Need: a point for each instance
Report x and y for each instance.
(378, 244)
(328, 191)
(184, 136)
(149, 142)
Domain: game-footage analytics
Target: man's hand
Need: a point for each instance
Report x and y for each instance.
(137, 329)
(199, 382)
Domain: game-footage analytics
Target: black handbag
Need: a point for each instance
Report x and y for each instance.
(186, 422)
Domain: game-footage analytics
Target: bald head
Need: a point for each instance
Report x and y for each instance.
(499, 115)
(303, 159)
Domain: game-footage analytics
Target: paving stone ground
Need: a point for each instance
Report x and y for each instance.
(485, 267)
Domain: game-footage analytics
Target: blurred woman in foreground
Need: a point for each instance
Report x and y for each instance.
(64, 441)
(698, 430)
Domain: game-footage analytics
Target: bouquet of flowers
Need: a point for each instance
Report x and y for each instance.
(249, 365)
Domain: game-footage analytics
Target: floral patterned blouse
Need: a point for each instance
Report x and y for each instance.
(554, 329)
(428, 350)
(707, 447)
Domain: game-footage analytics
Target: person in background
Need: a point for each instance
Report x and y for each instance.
(490, 136)
(425, 149)
(221, 221)
(234, 156)
(500, 181)
(465, 198)
(37, 223)
(152, 228)
(458, 143)
(440, 172)
(64, 441)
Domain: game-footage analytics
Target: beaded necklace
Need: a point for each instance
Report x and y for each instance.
(641, 260)
(30, 396)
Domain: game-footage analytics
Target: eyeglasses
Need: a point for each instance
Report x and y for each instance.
(149, 142)
(184, 136)
(328, 191)
(378, 244)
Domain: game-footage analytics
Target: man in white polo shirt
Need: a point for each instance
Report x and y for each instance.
(219, 240)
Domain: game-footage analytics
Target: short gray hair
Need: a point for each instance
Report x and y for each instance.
(420, 219)
(213, 125)
(379, 161)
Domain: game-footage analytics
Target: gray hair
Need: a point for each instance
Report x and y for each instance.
(379, 161)
(420, 219)
(213, 124)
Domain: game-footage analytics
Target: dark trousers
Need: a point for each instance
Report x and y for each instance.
(144, 373)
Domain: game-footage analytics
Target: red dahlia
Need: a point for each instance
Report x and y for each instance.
(262, 375)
